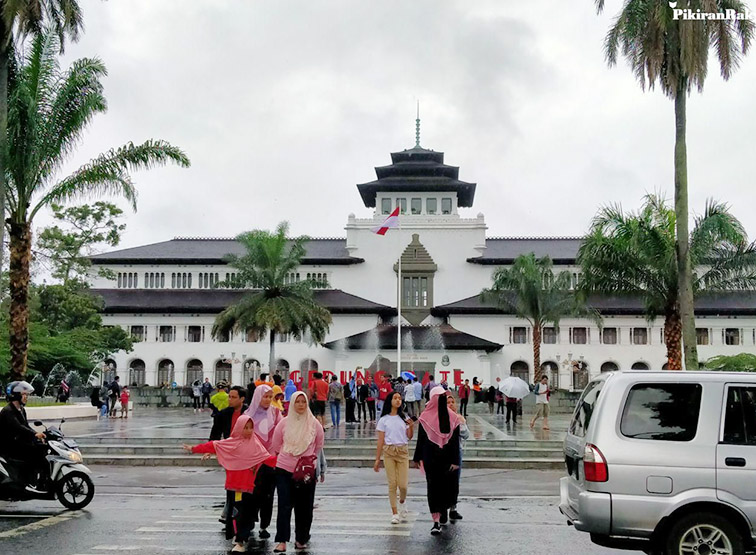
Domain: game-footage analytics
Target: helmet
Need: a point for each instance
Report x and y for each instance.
(16, 389)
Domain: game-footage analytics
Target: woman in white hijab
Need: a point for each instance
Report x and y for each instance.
(297, 440)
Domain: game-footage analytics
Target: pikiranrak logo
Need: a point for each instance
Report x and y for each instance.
(687, 14)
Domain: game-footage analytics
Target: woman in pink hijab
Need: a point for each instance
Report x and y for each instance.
(242, 455)
(266, 418)
(437, 453)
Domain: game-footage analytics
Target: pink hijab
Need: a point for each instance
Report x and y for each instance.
(238, 453)
(265, 419)
(430, 421)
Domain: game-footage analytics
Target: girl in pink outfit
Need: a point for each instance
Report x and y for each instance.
(298, 438)
(266, 417)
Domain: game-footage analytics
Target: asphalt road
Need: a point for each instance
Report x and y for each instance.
(175, 510)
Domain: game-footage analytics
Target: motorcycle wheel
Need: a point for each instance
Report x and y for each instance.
(75, 490)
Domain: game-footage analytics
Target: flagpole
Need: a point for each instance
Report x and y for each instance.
(399, 305)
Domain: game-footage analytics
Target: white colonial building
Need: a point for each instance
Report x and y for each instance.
(165, 295)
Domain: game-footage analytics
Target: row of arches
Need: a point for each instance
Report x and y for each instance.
(580, 377)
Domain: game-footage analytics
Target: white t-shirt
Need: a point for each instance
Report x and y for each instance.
(409, 393)
(542, 398)
(395, 429)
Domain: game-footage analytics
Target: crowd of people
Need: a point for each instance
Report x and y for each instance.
(111, 398)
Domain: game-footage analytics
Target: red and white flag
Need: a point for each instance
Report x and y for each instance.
(388, 223)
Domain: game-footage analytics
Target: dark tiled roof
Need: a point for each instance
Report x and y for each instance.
(732, 303)
(185, 250)
(213, 301)
(430, 338)
(504, 250)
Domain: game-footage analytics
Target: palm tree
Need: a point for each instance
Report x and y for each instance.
(634, 255)
(274, 303)
(675, 54)
(27, 17)
(530, 290)
(49, 111)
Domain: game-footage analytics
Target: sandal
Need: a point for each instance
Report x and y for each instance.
(279, 550)
(299, 546)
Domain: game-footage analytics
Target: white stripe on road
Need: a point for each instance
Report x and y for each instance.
(51, 521)
(318, 532)
(328, 497)
(202, 549)
(316, 522)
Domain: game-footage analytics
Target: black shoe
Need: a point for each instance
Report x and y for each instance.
(222, 520)
(454, 515)
(436, 530)
(444, 518)
(264, 534)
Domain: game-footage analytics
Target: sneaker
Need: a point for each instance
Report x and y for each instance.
(395, 519)
(264, 534)
(444, 519)
(454, 515)
(34, 489)
(436, 530)
(403, 513)
(238, 548)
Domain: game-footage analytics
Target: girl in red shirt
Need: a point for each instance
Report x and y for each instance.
(241, 455)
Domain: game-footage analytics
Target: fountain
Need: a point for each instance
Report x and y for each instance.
(57, 370)
(41, 379)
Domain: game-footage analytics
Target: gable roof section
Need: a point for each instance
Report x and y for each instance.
(504, 250)
(432, 338)
(213, 301)
(188, 250)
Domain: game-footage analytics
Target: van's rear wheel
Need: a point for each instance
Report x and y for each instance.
(703, 534)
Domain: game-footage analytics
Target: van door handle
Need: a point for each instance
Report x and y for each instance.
(735, 461)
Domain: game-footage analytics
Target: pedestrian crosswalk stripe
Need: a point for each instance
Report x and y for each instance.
(315, 532)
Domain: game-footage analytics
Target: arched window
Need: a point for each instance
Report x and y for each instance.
(520, 369)
(173, 280)
(162, 280)
(136, 279)
(580, 376)
(194, 371)
(190, 281)
(137, 372)
(308, 365)
(609, 366)
(222, 371)
(131, 280)
(146, 280)
(183, 280)
(166, 372)
(120, 280)
(640, 366)
(152, 280)
(550, 369)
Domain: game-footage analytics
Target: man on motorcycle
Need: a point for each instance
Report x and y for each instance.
(17, 439)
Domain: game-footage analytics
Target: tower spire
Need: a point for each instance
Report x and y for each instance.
(417, 126)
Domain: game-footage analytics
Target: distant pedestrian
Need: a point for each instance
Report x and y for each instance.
(242, 456)
(477, 390)
(464, 435)
(427, 388)
(542, 393)
(418, 387)
(499, 397)
(196, 395)
(297, 441)
(349, 393)
(207, 389)
(409, 399)
(278, 398)
(384, 388)
(464, 397)
(511, 403)
(94, 397)
(291, 389)
(437, 451)
(125, 397)
(394, 432)
(490, 398)
(266, 418)
(335, 396)
(219, 401)
(114, 392)
(318, 391)
(363, 392)
(372, 397)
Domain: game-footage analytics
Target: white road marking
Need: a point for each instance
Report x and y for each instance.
(318, 532)
(29, 516)
(51, 521)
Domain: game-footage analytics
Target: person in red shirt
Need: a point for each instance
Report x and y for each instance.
(384, 388)
(125, 396)
(241, 456)
(318, 392)
(464, 397)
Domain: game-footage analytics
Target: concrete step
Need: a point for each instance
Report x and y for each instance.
(539, 463)
(367, 452)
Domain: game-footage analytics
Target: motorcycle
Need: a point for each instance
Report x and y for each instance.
(68, 478)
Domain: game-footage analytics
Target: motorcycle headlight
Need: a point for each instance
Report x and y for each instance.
(74, 456)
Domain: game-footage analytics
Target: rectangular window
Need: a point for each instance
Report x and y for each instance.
(609, 336)
(402, 204)
(166, 334)
(640, 336)
(386, 205)
(662, 412)
(579, 336)
(732, 336)
(446, 206)
(585, 409)
(702, 336)
(406, 291)
(224, 337)
(431, 205)
(740, 416)
(549, 336)
(416, 205)
(137, 333)
(519, 335)
(194, 334)
(424, 291)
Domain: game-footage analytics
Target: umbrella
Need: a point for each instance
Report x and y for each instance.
(408, 375)
(515, 388)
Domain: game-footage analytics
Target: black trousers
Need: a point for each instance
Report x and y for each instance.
(196, 401)
(371, 409)
(512, 412)
(500, 407)
(301, 498)
(205, 397)
(239, 522)
(350, 410)
(463, 406)
(265, 488)
(33, 455)
(362, 411)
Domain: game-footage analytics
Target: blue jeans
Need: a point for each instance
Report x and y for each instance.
(336, 413)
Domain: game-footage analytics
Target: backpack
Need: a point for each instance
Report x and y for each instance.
(304, 472)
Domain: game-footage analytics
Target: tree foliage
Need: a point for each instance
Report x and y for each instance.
(743, 362)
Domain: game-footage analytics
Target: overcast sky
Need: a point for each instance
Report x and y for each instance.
(284, 106)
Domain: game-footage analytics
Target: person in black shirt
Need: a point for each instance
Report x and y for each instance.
(17, 439)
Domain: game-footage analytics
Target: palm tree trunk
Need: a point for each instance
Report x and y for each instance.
(684, 270)
(272, 353)
(4, 61)
(673, 340)
(536, 353)
(20, 257)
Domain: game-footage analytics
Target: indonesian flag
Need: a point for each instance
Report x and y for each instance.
(388, 223)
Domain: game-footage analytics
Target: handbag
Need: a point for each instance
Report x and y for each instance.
(304, 472)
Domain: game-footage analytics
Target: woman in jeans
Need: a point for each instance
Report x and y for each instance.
(394, 432)
(335, 396)
(296, 436)
(372, 397)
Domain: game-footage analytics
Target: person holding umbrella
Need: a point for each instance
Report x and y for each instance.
(513, 389)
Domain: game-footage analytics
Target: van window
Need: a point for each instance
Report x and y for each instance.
(740, 416)
(584, 411)
(662, 412)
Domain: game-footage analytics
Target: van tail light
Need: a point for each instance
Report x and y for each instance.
(595, 467)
